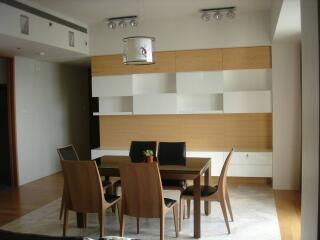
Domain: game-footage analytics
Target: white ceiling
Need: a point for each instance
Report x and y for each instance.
(94, 11)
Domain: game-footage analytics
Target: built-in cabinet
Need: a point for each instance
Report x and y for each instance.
(213, 99)
(228, 91)
(243, 164)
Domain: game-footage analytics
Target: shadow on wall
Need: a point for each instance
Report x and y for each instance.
(74, 92)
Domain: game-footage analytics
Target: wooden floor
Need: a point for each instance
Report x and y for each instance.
(18, 202)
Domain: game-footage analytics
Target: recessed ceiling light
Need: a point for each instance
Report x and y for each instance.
(217, 15)
(42, 54)
(231, 14)
(112, 25)
(122, 24)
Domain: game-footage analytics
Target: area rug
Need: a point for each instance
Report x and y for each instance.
(255, 217)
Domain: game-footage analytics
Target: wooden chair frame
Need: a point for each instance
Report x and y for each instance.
(87, 196)
(221, 195)
(147, 184)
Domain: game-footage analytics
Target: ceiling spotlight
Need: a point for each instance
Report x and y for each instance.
(205, 16)
(231, 14)
(122, 24)
(217, 15)
(112, 25)
(133, 23)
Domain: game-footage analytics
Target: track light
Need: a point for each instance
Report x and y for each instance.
(112, 25)
(133, 23)
(122, 22)
(231, 14)
(217, 13)
(205, 16)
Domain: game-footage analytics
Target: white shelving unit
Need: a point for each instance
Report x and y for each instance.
(165, 103)
(120, 105)
(200, 103)
(154, 83)
(117, 85)
(199, 82)
(209, 92)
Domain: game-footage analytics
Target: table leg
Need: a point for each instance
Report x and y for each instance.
(196, 208)
(207, 204)
(80, 220)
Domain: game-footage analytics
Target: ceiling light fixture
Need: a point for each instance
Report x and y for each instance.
(122, 22)
(218, 13)
(138, 50)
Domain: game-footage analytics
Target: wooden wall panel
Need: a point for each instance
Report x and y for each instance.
(109, 65)
(246, 57)
(165, 62)
(216, 132)
(248, 131)
(199, 60)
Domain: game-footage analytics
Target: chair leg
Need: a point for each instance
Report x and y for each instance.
(101, 222)
(138, 225)
(119, 211)
(224, 211)
(176, 219)
(162, 227)
(61, 207)
(188, 208)
(113, 190)
(85, 220)
(65, 221)
(229, 205)
(181, 213)
(122, 223)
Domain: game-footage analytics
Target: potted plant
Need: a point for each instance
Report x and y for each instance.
(148, 155)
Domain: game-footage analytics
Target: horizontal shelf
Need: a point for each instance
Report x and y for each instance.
(111, 113)
(201, 112)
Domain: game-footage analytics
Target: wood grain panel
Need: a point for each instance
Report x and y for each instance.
(246, 57)
(216, 132)
(165, 62)
(199, 60)
(109, 65)
(252, 131)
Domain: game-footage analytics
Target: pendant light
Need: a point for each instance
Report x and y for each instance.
(138, 50)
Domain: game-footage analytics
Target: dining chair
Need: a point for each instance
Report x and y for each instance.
(84, 192)
(136, 155)
(217, 193)
(172, 153)
(142, 195)
(67, 152)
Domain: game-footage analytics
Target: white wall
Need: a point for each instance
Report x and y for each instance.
(286, 95)
(247, 29)
(310, 120)
(51, 111)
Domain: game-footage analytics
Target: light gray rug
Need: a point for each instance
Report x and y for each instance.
(255, 217)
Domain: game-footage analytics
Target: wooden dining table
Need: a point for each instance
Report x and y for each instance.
(194, 168)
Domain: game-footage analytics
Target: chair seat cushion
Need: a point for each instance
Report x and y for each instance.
(169, 202)
(110, 198)
(205, 191)
(174, 183)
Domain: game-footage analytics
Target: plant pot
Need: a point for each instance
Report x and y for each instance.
(149, 159)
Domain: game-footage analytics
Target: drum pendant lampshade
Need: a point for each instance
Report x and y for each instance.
(138, 50)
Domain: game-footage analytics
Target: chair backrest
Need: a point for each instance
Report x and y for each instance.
(137, 148)
(222, 182)
(142, 194)
(68, 153)
(84, 192)
(172, 153)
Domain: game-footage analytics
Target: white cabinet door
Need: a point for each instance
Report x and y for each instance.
(155, 104)
(199, 82)
(116, 85)
(247, 102)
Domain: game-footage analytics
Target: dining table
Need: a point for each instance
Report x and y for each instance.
(193, 169)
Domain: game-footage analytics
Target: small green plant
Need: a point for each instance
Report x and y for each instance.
(148, 153)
